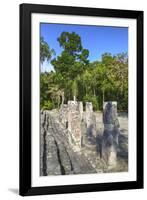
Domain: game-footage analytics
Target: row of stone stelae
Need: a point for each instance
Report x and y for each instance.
(81, 126)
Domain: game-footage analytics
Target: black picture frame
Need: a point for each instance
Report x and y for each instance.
(25, 187)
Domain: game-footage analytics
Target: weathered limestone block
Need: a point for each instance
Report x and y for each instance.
(90, 120)
(74, 123)
(49, 163)
(63, 114)
(57, 157)
(80, 105)
(53, 166)
(65, 161)
(110, 135)
(84, 133)
(110, 113)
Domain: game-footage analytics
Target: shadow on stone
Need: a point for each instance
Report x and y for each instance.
(99, 145)
(123, 146)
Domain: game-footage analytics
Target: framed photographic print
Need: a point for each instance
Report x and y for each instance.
(81, 99)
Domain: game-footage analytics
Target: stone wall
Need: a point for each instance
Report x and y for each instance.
(81, 125)
(57, 157)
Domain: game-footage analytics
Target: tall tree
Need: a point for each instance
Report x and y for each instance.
(72, 61)
(45, 51)
(74, 77)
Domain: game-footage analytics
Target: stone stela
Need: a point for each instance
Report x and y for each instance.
(90, 120)
(78, 140)
(72, 116)
(110, 134)
(74, 123)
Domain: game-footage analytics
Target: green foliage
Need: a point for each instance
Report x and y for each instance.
(92, 99)
(48, 105)
(73, 57)
(75, 77)
(45, 51)
(70, 42)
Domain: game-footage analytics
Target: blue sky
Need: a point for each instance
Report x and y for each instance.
(97, 39)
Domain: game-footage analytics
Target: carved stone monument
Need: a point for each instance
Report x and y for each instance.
(74, 124)
(110, 135)
(90, 120)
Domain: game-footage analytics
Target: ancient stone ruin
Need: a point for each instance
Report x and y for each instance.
(74, 141)
(71, 115)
